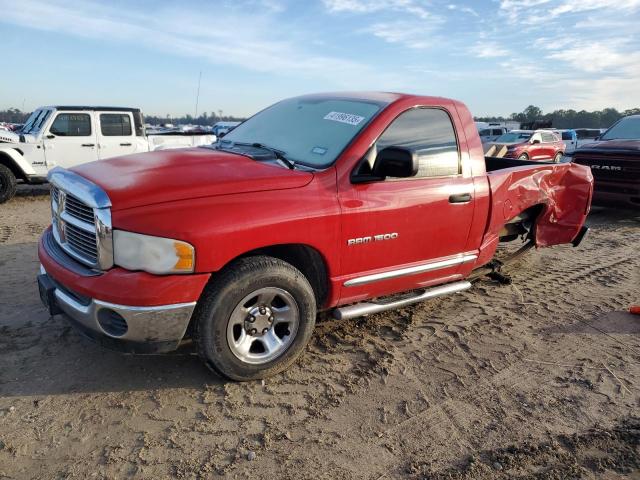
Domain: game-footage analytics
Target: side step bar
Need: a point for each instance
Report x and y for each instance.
(366, 308)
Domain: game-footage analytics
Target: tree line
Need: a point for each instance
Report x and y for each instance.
(567, 118)
(14, 115)
(559, 118)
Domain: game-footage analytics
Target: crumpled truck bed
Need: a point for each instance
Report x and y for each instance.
(562, 190)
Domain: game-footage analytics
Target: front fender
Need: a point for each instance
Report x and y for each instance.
(17, 159)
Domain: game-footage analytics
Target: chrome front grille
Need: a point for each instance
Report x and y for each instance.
(79, 210)
(81, 219)
(82, 241)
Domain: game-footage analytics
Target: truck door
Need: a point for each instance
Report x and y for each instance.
(116, 134)
(70, 139)
(404, 233)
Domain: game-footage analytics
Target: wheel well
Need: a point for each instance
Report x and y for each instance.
(521, 224)
(8, 162)
(306, 259)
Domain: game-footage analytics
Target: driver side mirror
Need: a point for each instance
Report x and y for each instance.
(396, 162)
(535, 141)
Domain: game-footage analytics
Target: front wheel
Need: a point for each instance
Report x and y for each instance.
(523, 156)
(255, 319)
(557, 157)
(7, 184)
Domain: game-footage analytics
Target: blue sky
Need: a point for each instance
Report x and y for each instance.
(498, 56)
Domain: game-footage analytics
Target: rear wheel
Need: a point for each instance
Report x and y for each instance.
(557, 157)
(7, 184)
(255, 319)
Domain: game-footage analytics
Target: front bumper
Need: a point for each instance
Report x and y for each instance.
(120, 327)
(135, 312)
(616, 194)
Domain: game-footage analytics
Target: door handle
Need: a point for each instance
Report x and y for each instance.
(125, 144)
(460, 198)
(88, 144)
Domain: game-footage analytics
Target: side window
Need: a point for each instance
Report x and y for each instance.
(536, 136)
(71, 125)
(429, 132)
(115, 125)
(485, 133)
(497, 132)
(548, 137)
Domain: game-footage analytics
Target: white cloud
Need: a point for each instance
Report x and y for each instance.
(593, 57)
(372, 6)
(463, 9)
(414, 35)
(539, 11)
(488, 50)
(572, 6)
(220, 37)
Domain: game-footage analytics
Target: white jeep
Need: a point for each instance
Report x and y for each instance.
(67, 136)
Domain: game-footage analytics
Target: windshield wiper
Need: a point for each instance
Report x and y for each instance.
(280, 155)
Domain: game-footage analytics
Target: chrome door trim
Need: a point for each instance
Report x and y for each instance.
(403, 272)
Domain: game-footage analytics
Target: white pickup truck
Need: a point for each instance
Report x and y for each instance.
(67, 136)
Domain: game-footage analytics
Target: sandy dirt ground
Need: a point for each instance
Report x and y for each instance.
(538, 379)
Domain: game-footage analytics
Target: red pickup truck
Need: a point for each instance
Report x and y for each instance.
(321, 202)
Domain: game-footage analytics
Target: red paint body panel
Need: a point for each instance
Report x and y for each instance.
(122, 287)
(225, 227)
(184, 174)
(564, 190)
(226, 205)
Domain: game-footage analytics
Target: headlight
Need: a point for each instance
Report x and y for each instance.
(135, 251)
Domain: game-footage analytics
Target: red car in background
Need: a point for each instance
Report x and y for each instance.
(536, 145)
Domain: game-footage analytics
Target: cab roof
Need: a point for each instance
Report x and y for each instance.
(94, 108)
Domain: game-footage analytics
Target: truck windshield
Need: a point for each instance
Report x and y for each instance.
(514, 137)
(626, 129)
(309, 131)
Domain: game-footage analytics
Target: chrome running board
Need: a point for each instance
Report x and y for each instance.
(367, 308)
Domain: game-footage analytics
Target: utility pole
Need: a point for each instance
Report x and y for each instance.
(198, 95)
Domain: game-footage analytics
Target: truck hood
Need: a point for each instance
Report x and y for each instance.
(171, 175)
(631, 145)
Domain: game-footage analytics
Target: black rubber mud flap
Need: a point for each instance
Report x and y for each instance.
(48, 294)
(580, 237)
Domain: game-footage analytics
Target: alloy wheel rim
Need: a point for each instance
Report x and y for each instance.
(263, 325)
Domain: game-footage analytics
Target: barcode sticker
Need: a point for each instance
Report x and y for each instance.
(344, 118)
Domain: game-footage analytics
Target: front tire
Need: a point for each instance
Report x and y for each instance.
(557, 157)
(255, 319)
(7, 184)
(524, 156)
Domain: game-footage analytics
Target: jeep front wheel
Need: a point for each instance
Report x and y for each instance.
(255, 318)
(7, 184)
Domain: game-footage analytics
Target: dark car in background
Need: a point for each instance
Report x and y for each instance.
(614, 159)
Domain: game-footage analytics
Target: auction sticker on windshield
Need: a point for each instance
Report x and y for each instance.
(344, 118)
